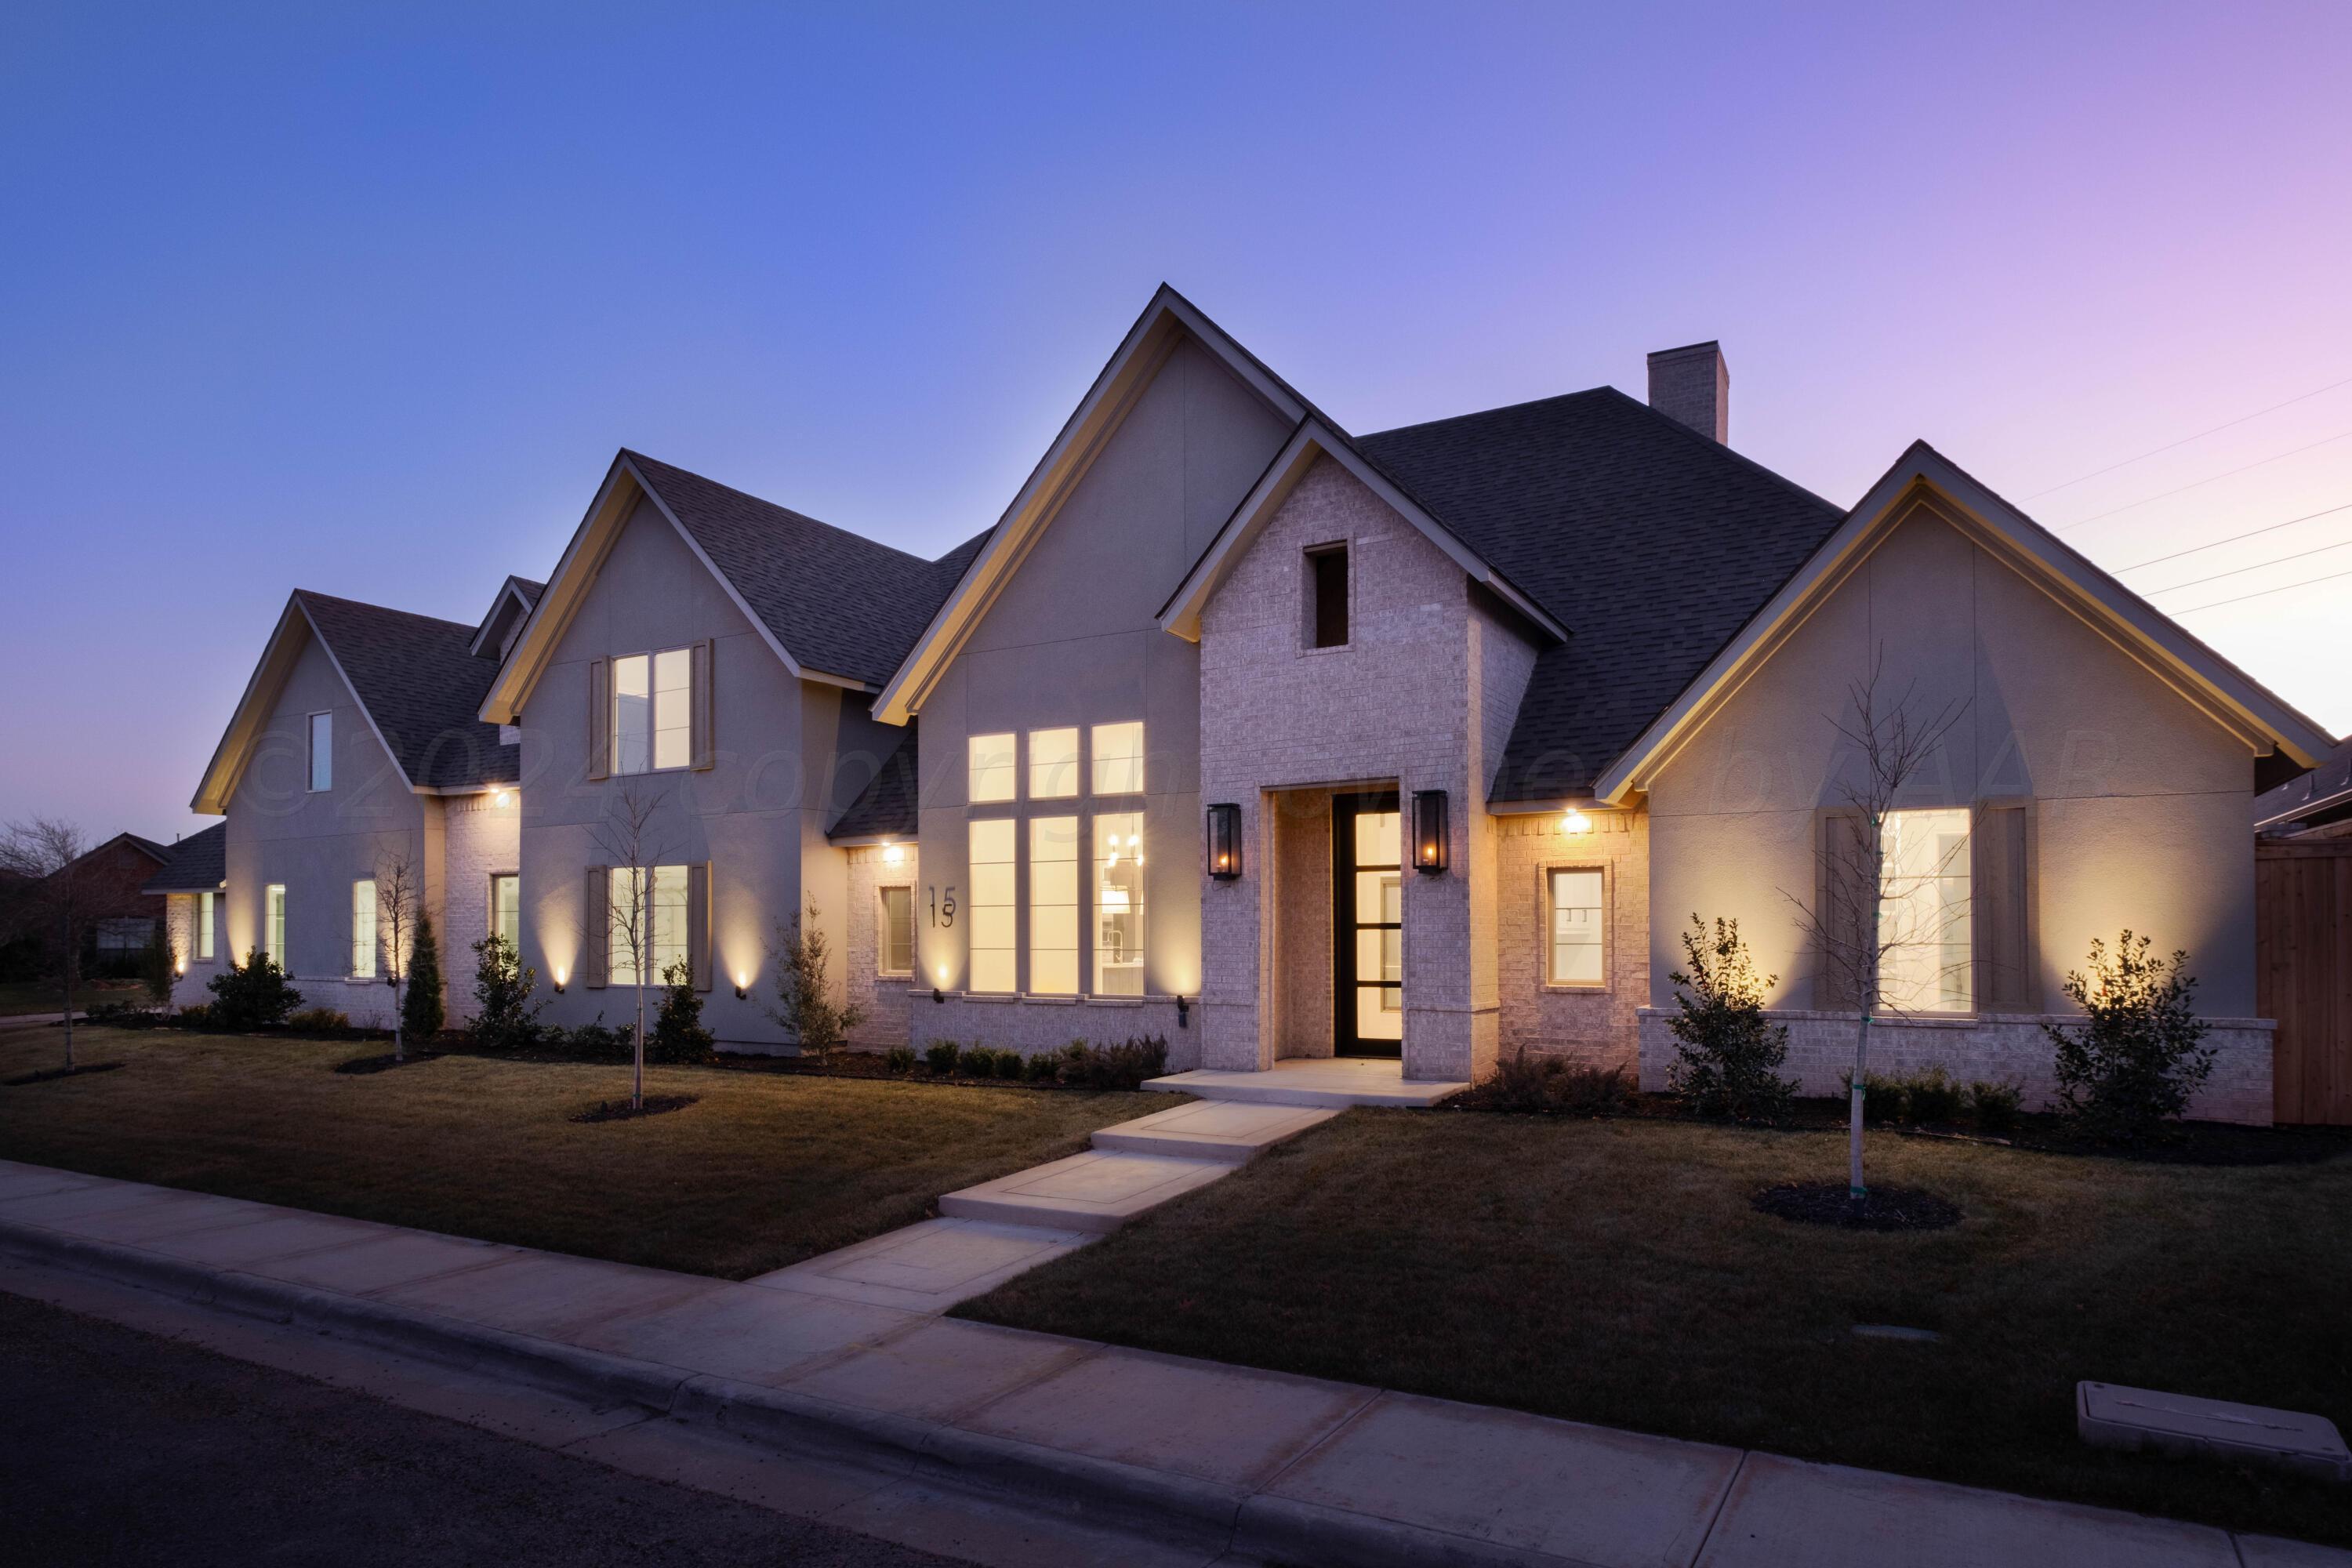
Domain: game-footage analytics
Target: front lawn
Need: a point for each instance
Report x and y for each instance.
(22, 996)
(1614, 1272)
(764, 1169)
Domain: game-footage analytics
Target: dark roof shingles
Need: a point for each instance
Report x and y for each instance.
(889, 803)
(422, 687)
(195, 863)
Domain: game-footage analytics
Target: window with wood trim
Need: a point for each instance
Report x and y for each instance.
(1576, 926)
(658, 926)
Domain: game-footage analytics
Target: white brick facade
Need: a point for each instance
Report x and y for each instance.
(1592, 1026)
(480, 839)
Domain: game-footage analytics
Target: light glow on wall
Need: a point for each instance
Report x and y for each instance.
(893, 855)
(1575, 821)
(504, 799)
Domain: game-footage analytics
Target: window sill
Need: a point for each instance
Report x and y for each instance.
(1050, 998)
(1573, 988)
(907, 974)
(1319, 652)
(1114, 1001)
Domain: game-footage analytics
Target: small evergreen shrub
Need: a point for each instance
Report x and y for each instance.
(505, 1016)
(1727, 1051)
(899, 1060)
(196, 1016)
(804, 1005)
(1043, 1068)
(1994, 1105)
(1009, 1064)
(592, 1042)
(939, 1056)
(319, 1018)
(2131, 1066)
(1883, 1099)
(978, 1061)
(677, 1033)
(156, 969)
(421, 1013)
(1122, 1065)
(1531, 1082)
(1931, 1096)
(251, 995)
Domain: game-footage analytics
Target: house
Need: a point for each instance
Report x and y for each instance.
(2318, 804)
(118, 919)
(1277, 741)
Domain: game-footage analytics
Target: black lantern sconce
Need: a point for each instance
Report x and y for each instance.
(1224, 842)
(1429, 841)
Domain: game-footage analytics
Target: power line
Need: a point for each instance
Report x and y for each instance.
(2261, 593)
(2241, 570)
(2233, 538)
(2194, 484)
(2168, 445)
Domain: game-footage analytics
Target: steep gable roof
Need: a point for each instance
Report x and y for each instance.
(196, 864)
(1649, 542)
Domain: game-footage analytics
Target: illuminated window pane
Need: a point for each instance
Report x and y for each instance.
(1119, 759)
(1118, 904)
(1052, 764)
(363, 929)
(658, 926)
(273, 923)
(1577, 957)
(633, 714)
(1053, 906)
(506, 908)
(991, 766)
(1923, 914)
(673, 709)
(204, 925)
(993, 911)
(896, 946)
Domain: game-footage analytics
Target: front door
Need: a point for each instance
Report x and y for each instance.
(1367, 925)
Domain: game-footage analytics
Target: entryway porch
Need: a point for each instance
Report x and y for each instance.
(1313, 1081)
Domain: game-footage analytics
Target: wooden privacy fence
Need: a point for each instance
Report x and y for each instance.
(2302, 966)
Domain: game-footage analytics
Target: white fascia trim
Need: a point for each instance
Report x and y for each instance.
(519, 674)
(507, 591)
(1082, 436)
(2160, 643)
(228, 756)
(1313, 439)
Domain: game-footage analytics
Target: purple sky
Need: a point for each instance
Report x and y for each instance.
(300, 297)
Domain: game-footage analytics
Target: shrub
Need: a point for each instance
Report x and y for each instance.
(421, 1013)
(1933, 1096)
(505, 1017)
(805, 1007)
(979, 1062)
(677, 1033)
(939, 1056)
(592, 1042)
(251, 995)
(195, 1016)
(1725, 1049)
(1882, 1098)
(899, 1060)
(2132, 1064)
(1122, 1065)
(319, 1018)
(1995, 1106)
(1043, 1068)
(156, 969)
(1530, 1082)
(1009, 1064)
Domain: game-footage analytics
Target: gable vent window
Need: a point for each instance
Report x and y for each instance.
(1327, 596)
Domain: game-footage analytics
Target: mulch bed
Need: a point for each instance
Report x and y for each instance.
(1882, 1208)
(621, 1111)
(385, 1063)
(51, 1074)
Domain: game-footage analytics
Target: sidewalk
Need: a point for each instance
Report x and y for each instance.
(1254, 1463)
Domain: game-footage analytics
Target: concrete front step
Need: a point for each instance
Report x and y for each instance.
(1233, 1132)
(1327, 1081)
(1096, 1191)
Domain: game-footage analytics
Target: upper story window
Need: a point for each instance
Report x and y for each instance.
(1052, 764)
(1118, 758)
(1327, 596)
(992, 774)
(653, 711)
(322, 751)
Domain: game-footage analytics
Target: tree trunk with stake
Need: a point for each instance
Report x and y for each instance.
(628, 838)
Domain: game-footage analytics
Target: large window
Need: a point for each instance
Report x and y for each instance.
(653, 711)
(322, 751)
(994, 916)
(992, 772)
(363, 929)
(1578, 953)
(273, 923)
(1053, 906)
(118, 935)
(897, 947)
(1923, 911)
(202, 911)
(506, 908)
(1119, 903)
(661, 927)
(1119, 759)
(1052, 764)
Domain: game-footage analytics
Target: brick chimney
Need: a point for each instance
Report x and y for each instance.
(1693, 387)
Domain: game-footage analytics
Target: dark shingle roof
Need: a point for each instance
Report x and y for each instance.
(422, 687)
(838, 603)
(1651, 543)
(2323, 795)
(531, 590)
(889, 802)
(195, 863)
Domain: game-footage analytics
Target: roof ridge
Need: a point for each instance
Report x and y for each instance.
(1482, 413)
(465, 627)
(866, 539)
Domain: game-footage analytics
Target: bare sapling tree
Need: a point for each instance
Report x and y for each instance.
(46, 852)
(628, 838)
(1871, 931)
(399, 896)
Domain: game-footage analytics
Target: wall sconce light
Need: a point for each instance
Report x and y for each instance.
(1225, 842)
(893, 854)
(1575, 821)
(1428, 842)
(1183, 1014)
(504, 798)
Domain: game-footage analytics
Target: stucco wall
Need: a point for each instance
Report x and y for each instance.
(1596, 1026)
(2140, 801)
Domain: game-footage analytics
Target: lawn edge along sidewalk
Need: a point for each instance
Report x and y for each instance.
(1261, 1464)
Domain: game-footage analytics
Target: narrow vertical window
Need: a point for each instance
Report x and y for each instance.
(633, 714)
(991, 769)
(1052, 764)
(1053, 906)
(322, 751)
(1118, 758)
(673, 715)
(1118, 904)
(273, 923)
(1923, 911)
(363, 929)
(897, 947)
(204, 925)
(506, 908)
(1576, 952)
(993, 911)
(1327, 596)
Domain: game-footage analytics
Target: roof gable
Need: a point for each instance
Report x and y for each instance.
(2195, 671)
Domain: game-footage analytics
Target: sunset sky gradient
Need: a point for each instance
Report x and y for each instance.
(363, 298)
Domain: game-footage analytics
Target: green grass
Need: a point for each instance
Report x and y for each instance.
(1614, 1272)
(20, 997)
(765, 1170)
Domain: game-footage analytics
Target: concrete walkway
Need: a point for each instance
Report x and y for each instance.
(1222, 1459)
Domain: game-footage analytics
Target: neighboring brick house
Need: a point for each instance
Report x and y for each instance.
(1281, 742)
(119, 917)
